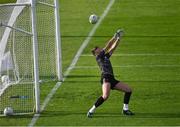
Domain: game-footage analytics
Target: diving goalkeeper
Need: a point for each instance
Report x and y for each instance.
(107, 76)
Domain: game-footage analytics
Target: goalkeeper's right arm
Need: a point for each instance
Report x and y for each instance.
(112, 46)
(114, 42)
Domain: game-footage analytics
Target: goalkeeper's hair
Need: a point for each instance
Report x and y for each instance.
(94, 50)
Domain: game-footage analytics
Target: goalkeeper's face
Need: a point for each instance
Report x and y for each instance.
(96, 51)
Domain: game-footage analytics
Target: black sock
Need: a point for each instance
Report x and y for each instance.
(99, 101)
(127, 96)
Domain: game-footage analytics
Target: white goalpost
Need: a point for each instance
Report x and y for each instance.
(30, 52)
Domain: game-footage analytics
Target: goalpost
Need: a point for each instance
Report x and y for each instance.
(30, 52)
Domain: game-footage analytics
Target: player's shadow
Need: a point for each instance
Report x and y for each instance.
(86, 76)
(151, 81)
(17, 116)
(100, 115)
(157, 115)
(82, 76)
(60, 113)
(139, 115)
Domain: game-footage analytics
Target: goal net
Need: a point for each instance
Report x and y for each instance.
(17, 85)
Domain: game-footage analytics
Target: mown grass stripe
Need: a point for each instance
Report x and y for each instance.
(148, 54)
(129, 66)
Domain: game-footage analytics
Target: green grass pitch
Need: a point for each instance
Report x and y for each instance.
(147, 59)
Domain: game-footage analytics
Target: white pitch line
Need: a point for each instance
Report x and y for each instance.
(73, 63)
(148, 54)
(128, 66)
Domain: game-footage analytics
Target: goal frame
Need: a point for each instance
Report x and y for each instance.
(35, 48)
(32, 4)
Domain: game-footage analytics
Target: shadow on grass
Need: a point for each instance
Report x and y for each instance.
(82, 76)
(98, 115)
(151, 81)
(137, 81)
(157, 115)
(60, 113)
(69, 113)
(140, 115)
(17, 116)
(97, 81)
(117, 77)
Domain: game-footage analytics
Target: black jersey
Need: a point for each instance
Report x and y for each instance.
(104, 63)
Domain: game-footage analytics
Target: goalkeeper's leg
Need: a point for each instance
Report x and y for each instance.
(106, 87)
(127, 94)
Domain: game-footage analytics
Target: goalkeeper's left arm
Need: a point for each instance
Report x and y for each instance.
(114, 42)
(111, 46)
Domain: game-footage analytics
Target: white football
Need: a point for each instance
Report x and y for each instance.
(8, 111)
(5, 79)
(93, 19)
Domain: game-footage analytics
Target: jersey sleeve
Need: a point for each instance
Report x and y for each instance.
(108, 54)
(101, 54)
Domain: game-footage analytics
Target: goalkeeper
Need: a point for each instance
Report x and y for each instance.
(107, 77)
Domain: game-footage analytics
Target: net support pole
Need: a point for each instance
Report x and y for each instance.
(58, 41)
(35, 55)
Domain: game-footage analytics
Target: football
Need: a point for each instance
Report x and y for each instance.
(8, 111)
(93, 19)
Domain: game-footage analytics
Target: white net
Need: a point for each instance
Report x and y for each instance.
(16, 53)
(46, 40)
(16, 62)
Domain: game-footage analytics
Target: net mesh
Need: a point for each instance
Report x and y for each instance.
(17, 91)
(16, 59)
(46, 37)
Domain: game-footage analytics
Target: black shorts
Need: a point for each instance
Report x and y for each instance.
(110, 79)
